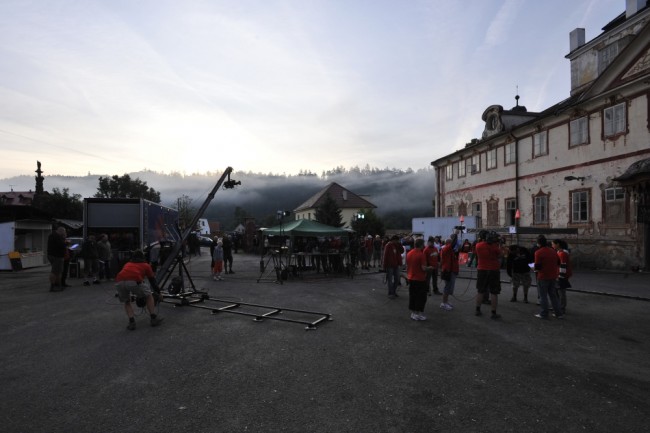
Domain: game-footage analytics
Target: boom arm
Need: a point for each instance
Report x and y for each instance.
(176, 249)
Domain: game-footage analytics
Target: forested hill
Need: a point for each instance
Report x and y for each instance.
(399, 195)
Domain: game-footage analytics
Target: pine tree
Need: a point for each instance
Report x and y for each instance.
(329, 212)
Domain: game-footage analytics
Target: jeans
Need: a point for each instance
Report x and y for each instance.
(547, 290)
(392, 279)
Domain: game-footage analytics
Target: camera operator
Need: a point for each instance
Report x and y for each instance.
(488, 275)
(131, 280)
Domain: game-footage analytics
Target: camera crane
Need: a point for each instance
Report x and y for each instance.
(175, 258)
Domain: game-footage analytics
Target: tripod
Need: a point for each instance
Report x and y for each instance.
(274, 256)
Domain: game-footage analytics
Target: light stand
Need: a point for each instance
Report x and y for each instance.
(276, 256)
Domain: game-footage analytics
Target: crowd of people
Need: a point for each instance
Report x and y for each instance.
(421, 264)
(547, 262)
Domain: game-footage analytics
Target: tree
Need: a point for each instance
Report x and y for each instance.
(329, 212)
(61, 204)
(185, 211)
(125, 187)
(369, 224)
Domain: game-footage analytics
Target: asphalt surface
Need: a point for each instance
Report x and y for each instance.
(70, 364)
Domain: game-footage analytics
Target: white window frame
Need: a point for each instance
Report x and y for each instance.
(462, 168)
(615, 119)
(540, 215)
(580, 206)
(615, 195)
(449, 172)
(491, 159)
(579, 131)
(476, 164)
(540, 144)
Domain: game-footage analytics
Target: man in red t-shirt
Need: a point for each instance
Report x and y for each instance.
(488, 274)
(548, 269)
(131, 280)
(433, 257)
(416, 272)
(562, 249)
(391, 263)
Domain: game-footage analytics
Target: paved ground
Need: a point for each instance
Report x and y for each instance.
(70, 365)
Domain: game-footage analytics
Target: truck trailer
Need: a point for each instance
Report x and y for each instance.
(444, 226)
(130, 223)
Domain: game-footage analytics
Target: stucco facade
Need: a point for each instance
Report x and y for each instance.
(564, 167)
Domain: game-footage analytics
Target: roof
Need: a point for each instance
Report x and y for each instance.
(17, 198)
(639, 170)
(344, 198)
(304, 227)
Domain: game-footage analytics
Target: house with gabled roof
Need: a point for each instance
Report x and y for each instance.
(349, 203)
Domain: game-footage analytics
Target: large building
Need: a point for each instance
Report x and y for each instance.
(581, 166)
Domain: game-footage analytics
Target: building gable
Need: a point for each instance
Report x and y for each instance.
(344, 198)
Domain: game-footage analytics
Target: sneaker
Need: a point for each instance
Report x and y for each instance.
(495, 316)
(86, 283)
(415, 316)
(513, 299)
(539, 316)
(96, 282)
(131, 326)
(445, 307)
(155, 321)
(392, 296)
(220, 277)
(421, 317)
(215, 278)
(558, 316)
(232, 272)
(450, 306)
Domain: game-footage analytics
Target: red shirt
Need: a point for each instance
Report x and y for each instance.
(546, 264)
(448, 259)
(135, 271)
(415, 261)
(392, 255)
(489, 256)
(432, 255)
(565, 264)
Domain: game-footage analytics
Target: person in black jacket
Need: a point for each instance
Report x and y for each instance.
(517, 266)
(55, 255)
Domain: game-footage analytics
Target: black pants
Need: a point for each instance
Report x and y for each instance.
(418, 293)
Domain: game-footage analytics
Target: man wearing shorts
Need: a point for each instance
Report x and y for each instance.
(131, 280)
(488, 274)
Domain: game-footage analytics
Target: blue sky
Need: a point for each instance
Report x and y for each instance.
(115, 86)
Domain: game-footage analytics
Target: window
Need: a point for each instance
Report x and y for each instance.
(449, 170)
(580, 204)
(606, 56)
(462, 208)
(492, 213)
(540, 211)
(540, 145)
(476, 164)
(615, 206)
(579, 131)
(450, 211)
(491, 159)
(614, 121)
(511, 156)
(476, 211)
(511, 210)
(461, 168)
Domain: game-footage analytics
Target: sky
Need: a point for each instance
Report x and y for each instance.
(271, 86)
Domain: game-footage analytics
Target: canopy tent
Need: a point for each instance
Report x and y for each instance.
(304, 228)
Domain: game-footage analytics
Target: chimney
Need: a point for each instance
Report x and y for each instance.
(633, 6)
(345, 195)
(576, 39)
